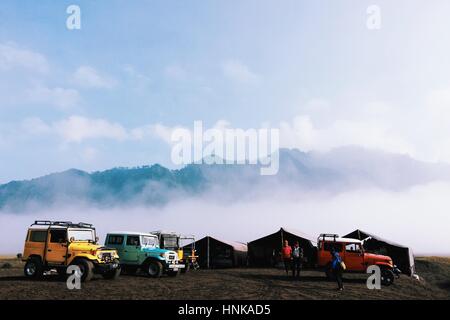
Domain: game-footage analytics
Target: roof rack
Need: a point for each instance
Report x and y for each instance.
(164, 232)
(61, 224)
(328, 235)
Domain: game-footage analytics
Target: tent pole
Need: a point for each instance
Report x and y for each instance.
(207, 252)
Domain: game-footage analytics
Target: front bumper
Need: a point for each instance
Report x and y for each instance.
(106, 267)
(174, 266)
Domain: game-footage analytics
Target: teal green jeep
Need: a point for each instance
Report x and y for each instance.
(139, 250)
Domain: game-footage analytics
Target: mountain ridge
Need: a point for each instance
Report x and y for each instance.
(335, 171)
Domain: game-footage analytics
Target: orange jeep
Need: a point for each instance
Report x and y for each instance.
(353, 255)
(59, 244)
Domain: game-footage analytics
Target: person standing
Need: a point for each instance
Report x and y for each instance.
(336, 267)
(286, 255)
(297, 257)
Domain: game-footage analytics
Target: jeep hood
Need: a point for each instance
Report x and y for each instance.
(87, 246)
(156, 250)
(377, 258)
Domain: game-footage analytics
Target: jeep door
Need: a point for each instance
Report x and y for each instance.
(131, 250)
(324, 252)
(56, 251)
(116, 241)
(35, 243)
(354, 257)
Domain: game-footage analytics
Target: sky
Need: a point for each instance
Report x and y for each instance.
(110, 93)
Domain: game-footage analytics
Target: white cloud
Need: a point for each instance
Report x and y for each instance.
(13, 57)
(77, 129)
(239, 72)
(88, 77)
(163, 132)
(139, 81)
(301, 133)
(34, 126)
(59, 97)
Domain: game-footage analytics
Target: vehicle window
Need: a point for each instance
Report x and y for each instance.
(329, 245)
(38, 236)
(149, 241)
(353, 247)
(132, 240)
(115, 239)
(58, 236)
(170, 242)
(81, 234)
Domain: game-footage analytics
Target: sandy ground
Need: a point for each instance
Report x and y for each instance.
(228, 284)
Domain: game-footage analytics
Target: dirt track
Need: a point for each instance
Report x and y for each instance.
(228, 284)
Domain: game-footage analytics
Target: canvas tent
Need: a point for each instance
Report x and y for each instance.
(218, 253)
(401, 255)
(264, 252)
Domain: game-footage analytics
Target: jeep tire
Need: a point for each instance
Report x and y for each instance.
(86, 269)
(154, 269)
(33, 268)
(387, 277)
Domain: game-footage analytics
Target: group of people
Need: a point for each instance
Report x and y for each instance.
(293, 259)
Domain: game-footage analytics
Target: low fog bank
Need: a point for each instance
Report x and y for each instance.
(417, 217)
(302, 177)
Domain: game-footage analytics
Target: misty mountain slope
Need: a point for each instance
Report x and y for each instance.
(371, 168)
(336, 171)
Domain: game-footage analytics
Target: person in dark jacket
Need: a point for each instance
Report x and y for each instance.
(337, 268)
(297, 257)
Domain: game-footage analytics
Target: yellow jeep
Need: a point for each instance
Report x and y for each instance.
(59, 244)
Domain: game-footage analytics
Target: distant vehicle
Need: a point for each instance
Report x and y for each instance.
(59, 244)
(139, 250)
(353, 255)
(173, 241)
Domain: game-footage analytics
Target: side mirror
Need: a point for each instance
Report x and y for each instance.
(72, 239)
(96, 239)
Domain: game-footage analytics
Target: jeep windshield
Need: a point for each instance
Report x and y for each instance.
(170, 242)
(149, 241)
(81, 235)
